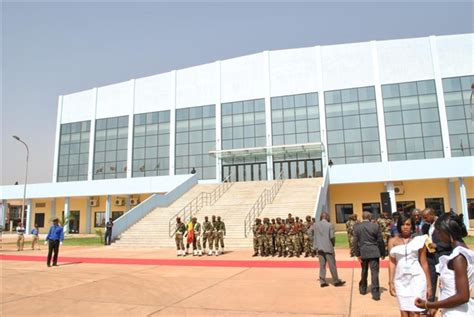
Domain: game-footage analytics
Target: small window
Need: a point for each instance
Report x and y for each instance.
(373, 208)
(40, 205)
(116, 215)
(39, 220)
(405, 206)
(470, 208)
(99, 220)
(343, 212)
(437, 204)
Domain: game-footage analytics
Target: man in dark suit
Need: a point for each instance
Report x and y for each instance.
(324, 240)
(369, 247)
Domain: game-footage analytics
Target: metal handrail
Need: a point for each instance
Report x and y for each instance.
(201, 200)
(266, 197)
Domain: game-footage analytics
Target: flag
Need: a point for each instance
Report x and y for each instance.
(190, 233)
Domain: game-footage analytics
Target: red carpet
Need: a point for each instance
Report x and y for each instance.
(187, 262)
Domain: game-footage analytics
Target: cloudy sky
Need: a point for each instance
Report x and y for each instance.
(56, 48)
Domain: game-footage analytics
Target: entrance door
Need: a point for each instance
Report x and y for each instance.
(298, 168)
(245, 172)
(74, 221)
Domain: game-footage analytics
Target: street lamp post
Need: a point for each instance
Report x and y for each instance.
(26, 179)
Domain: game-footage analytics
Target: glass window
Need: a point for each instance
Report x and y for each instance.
(343, 212)
(74, 139)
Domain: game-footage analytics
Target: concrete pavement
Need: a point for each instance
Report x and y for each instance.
(78, 288)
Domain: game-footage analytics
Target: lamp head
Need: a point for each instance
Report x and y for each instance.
(16, 137)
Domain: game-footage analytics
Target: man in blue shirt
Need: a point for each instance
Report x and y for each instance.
(55, 237)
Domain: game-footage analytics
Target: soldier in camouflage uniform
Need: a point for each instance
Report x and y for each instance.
(307, 237)
(385, 224)
(269, 250)
(180, 230)
(207, 234)
(220, 233)
(256, 235)
(212, 236)
(350, 232)
(292, 240)
(197, 238)
(274, 236)
(280, 232)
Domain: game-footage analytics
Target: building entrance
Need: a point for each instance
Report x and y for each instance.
(298, 168)
(245, 172)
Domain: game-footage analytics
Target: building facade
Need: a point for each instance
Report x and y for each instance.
(391, 116)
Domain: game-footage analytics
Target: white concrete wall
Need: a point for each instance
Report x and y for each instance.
(347, 66)
(405, 60)
(456, 55)
(293, 71)
(154, 93)
(196, 86)
(114, 100)
(78, 106)
(401, 170)
(243, 78)
(123, 186)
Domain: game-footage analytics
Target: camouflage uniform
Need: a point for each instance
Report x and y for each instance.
(350, 234)
(385, 224)
(292, 240)
(261, 232)
(220, 233)
(269, 250)
(280, 231)
(178, 237)
(307, 237)
(207, 234)
(256, 236)
(197, 238)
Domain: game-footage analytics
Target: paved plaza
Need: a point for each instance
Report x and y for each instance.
(108, 281)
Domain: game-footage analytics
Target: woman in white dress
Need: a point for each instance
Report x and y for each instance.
(456, 271)
(408, 269)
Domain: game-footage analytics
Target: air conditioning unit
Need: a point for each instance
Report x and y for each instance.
(399, 190)
(119, 202)
(93, 202)
(134, 201)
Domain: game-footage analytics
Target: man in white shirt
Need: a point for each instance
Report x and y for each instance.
(20, 241)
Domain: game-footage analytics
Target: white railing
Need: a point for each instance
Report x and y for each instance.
(266, 197)
(131, 217)
(201, 200)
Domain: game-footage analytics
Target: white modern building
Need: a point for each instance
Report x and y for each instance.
(391, 116)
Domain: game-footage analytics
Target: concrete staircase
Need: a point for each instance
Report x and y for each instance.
(296, 196)
(232, 207)
(152, 230)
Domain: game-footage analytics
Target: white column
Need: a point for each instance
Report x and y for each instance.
(29, 214)
(53, 209)
(66, 214)
(88, 217)
(322, 107)
(451, 193)
(173, 125)
(130, 130)
(90, 170)
(3, 213)
(379, 102)
(464, 210)
(108, 208)
(56, 143)
(218, 121)
(390, 188)
(268, 111)
(127, 203)
(443, 118)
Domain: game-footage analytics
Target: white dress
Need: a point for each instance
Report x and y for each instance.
(410, 279)
(448, 283)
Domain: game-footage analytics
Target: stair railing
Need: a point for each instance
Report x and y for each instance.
(266, 197)
(201, 200)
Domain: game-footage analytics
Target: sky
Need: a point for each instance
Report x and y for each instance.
(57, 48)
